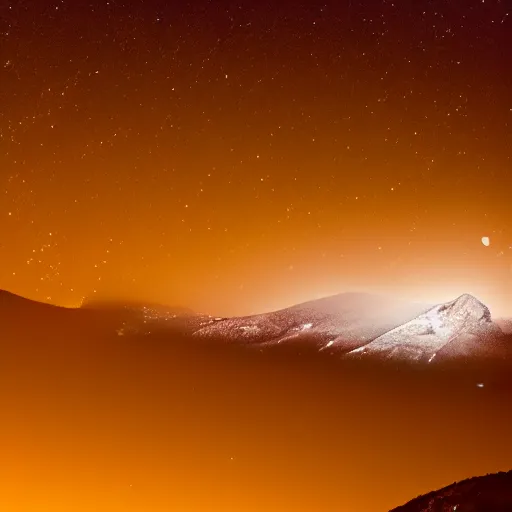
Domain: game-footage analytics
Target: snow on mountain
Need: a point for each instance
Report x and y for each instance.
(447, 330)
(340, 322)
(359, 325)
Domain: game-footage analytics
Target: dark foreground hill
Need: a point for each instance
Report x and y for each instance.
(491, 493)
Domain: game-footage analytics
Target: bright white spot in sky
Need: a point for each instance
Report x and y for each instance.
(480, 385)
(486, 241)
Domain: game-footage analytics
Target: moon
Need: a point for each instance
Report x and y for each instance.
(486, 241)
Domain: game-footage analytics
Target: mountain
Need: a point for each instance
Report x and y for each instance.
(361, 326)
(353, 325)
(26, 318)
(337, 323)
(140, 317)
(150, 309)
(462, 327)
(9, 300)
(15, 308)
(491, 493)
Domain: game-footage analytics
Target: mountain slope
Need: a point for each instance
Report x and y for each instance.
(340, 322)
(448, 330)
(491, 493)
(25, 318)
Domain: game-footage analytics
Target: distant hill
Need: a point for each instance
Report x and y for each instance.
(25, 317)
(94, 303)
(491, 493)
(11, 300)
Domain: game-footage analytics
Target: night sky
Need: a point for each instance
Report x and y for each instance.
(238, 157)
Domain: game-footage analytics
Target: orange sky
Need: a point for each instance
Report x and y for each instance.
(244, 157)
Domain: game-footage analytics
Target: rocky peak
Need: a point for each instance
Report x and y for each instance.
(469, 306)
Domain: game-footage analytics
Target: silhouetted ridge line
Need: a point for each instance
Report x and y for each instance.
(490, 493)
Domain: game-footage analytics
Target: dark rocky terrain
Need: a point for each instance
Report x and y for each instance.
(491, 493)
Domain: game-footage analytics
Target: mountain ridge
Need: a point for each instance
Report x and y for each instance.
(488, 493)
(350, 325)
(425, 336)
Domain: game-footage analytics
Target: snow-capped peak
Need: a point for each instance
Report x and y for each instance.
(424, 336)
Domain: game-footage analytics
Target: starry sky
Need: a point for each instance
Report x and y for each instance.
(238, 157)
